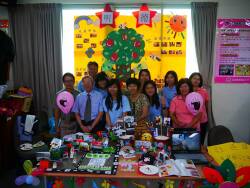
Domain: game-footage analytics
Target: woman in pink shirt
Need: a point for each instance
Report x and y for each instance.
(179, 113)
(197, 83)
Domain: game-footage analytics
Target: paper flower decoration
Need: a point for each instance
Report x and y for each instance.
(225, 176)
(58, 184)
(28, 179)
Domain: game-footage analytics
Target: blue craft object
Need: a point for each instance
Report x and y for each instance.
(49, 184)
(89, 52)
(52, 125)
(94, 185)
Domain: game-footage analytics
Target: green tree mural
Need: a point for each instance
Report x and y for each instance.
(122, 48)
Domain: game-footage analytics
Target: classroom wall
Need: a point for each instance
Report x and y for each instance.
(3, 16)
(231, 102)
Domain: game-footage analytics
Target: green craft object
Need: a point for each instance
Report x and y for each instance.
(28, 166)
(228, 171)
(123, 47)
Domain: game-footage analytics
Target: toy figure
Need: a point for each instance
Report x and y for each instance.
(105, 142)
(84, 146)
(147, 158)
(146, 137)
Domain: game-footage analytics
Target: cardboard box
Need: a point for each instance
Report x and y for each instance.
(26, 100)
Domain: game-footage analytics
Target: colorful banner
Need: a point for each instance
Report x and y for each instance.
(233, 51)
(159, 48)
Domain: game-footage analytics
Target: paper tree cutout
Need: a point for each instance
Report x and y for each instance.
(122, 48)
(107, 17)
(225, 176)
(144, 16)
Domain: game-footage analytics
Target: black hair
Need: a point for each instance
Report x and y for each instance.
(109, 100)
(7, 54)
(133, 81)
(173, 73)
(93, 63)
(197, 74)
(184, 81)
(144, 70)
(100, 77)
(68, 74)
(155, 98)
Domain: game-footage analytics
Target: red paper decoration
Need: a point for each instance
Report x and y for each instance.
(134, 55)
(107, 17)
(212, 175)
(110, 42)
(244, 173)
(114, 56)
(144, 16)
(137, 44)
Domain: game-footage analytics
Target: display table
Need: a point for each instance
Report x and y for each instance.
(121, 175)
(124, 175)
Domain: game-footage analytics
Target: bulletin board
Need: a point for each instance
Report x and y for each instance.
(164, 45)
(233, 51)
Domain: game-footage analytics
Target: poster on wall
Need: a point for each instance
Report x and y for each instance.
(233, 51)
(158, 43)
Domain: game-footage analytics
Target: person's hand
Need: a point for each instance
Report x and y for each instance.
(85, 129)
(90, 127)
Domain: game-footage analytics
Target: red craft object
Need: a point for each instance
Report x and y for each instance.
(99, 134)
(124, 37)
(137, 44)
(114, 56)
(244, 175)
(212, 175)
(110, 42)
(44, 164)
(134, 55)
(106, 16)
(58, 184)
(38, 172)
(80, 181)
(115, 183)
(146, 16)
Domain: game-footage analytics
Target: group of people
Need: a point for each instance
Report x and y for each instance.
(101, 101)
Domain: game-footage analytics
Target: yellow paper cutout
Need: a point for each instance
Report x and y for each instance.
(164, 50)
(238, 153)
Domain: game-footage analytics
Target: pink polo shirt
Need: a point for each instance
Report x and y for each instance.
(179, 107)
(204, 94)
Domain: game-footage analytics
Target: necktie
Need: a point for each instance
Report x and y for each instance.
(87, 113)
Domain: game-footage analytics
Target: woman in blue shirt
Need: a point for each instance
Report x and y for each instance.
(169, 90)
(101, 82)
(115, 104)
(157, 106)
